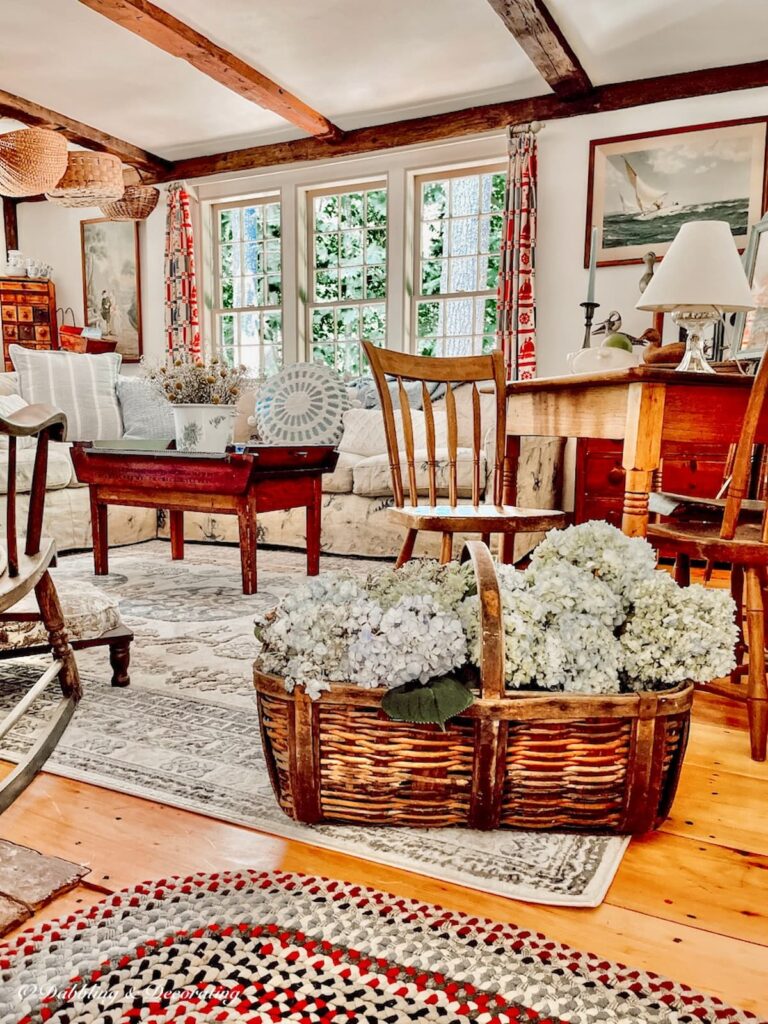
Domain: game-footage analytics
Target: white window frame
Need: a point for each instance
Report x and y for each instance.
(367, 185)
(417, 297)
(217, 310)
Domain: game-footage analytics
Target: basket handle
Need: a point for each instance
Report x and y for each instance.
(491, 625)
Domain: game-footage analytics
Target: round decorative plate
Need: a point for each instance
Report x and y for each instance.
(302, 404)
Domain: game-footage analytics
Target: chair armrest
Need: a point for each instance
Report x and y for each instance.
(32, 419)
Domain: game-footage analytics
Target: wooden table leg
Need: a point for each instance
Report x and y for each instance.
(642, 453)
(509, 494)
(177, 534)
(313, 528)
(246, 518)
(100, 535)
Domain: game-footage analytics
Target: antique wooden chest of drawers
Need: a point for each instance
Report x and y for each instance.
(28, 314)
(599, 483)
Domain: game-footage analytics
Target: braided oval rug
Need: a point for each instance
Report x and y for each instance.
(266, 947)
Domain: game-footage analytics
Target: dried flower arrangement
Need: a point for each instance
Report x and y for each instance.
(195, 382)
(591, 614)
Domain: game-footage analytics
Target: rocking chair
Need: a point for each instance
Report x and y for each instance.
(22, 574)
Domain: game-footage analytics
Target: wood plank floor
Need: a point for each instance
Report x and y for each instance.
(690, 901)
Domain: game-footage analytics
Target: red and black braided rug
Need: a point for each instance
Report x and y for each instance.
(261, 948)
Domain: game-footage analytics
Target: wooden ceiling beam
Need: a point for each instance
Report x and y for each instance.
(10, 223)
(544, 44)
(476, 120)
(33, 114)
(163, 30)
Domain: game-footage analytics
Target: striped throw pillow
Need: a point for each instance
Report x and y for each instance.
(84, 387)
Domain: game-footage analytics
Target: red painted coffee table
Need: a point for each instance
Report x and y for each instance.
(242, 483)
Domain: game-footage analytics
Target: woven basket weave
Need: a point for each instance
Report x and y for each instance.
(137, 203)
(90, 179)
(32, 160)
(573, 762)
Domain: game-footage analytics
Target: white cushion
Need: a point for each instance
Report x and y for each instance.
(60, 471)
(340, 480)
(372, 477)
(88, 612)
(364, 432)
(83, 386)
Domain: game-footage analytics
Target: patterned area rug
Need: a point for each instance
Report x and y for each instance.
(277, 947)
(186, 731)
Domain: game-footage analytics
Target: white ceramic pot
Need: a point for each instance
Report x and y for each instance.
(203, 428)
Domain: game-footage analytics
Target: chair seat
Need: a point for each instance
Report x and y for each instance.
(477, 518)
(689, 506)
(702, 540)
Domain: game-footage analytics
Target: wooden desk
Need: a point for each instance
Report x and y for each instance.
(644, 407)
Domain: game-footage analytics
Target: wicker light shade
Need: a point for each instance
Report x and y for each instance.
(90, 179)
(137, 203)
(32, 160)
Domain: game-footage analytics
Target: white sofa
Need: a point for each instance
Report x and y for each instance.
(356, 497)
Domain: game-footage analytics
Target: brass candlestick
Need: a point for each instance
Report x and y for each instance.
(589, 313)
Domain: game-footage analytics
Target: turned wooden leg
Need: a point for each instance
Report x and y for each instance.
(120, 660)
(737, 593)
(100, 534)
(51, 614)
(486, 539)
(757, 696)
(509, 494)
(246, 517)
(446, 548)
(642, 453)
(683, 571)
(406, 551)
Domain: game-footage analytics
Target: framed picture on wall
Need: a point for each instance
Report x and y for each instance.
(111, 282)
(750, 330)
(642, 188)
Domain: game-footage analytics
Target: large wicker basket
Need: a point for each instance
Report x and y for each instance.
(512, 760)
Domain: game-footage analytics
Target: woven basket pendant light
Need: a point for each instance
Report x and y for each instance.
(32, 160)
(90, 179)
(138, 200)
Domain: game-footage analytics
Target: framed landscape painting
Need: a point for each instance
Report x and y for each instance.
(111, 287)
(642, 188)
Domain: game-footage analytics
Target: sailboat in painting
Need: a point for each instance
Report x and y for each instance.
(649, 201)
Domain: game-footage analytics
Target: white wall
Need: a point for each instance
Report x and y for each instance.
(53, 233)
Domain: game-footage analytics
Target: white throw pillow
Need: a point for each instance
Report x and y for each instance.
(364, 432)
(8, 405)
(83, 386)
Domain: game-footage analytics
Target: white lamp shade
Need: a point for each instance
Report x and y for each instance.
(701, 269)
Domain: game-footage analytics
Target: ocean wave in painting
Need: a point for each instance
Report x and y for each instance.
(621, 229)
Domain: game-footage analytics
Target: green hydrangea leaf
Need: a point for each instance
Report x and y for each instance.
(431, 703)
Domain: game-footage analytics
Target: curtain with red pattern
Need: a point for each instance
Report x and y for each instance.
(182, 324)
(516, 294)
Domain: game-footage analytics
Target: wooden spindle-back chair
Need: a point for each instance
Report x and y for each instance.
(22, 572)
(437, 516)
(733, 530)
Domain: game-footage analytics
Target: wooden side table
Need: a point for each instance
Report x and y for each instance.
(241, 483)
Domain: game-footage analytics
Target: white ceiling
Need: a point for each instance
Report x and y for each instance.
(359, 62)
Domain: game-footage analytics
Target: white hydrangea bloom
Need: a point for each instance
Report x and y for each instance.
(564, 588)
(416, 638)
(621, 562)
(583, 656)
(447, 584)
(524, 649)
(673, 634)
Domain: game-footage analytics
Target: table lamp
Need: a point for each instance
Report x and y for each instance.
(700, 278)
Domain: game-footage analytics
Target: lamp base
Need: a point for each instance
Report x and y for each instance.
(694, 360)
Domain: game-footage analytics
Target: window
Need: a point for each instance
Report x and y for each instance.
(459, 217)
(348, 274)
(248, 304)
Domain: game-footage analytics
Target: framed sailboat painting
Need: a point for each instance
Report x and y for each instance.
(642, 188)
